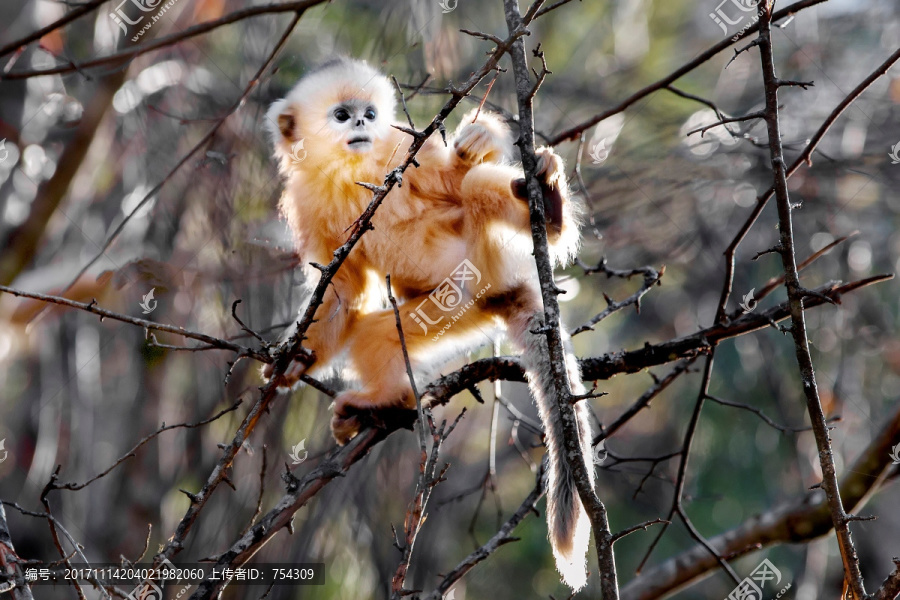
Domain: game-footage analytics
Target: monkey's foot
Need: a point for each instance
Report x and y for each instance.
(549, 166)
(292, 374)
(476, 142)
(354, 411)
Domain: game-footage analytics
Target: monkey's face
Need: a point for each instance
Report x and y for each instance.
(339, 112)
(355, 122)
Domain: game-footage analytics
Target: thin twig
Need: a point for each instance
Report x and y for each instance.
(91, 307)
(502, 537)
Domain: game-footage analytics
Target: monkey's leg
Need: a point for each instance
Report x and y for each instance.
(431, 335)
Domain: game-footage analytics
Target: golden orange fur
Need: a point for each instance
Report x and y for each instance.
(455, 239)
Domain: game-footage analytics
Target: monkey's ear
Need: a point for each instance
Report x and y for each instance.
(286, 125)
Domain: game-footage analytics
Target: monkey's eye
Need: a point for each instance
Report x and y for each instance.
(342, 115)
(370, 113)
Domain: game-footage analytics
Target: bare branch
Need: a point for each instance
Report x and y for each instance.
(796, 294)
(618, 536)
(804, 157)
(568, 424)
(91, 307)
(651, 277)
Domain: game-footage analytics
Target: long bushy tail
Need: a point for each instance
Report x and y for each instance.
(568, 524)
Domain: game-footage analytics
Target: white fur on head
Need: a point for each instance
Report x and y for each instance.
(307, 104)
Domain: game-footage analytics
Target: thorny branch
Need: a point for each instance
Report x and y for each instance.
(593, 506)
(651, 277)
(428, 479)
(804, 157)
(796, 294)
(650, 355)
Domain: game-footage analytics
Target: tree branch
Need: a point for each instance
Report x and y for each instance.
(796, 294)
(563, 396)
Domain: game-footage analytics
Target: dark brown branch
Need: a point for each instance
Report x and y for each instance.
(429, 478)
(725, 120)
(796, 295)
(760, 414)
(618, 536)
(644, 400)
(595, 509)
(134, 449)
(83, 9)
(678, 496)
(890, 589)
(804, 157)
(775, 282)
(704, 101)
(650, 355)
(651, 277)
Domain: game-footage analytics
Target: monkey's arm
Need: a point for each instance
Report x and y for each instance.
(496, 192)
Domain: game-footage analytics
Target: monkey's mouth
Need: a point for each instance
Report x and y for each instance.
(359, 142)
